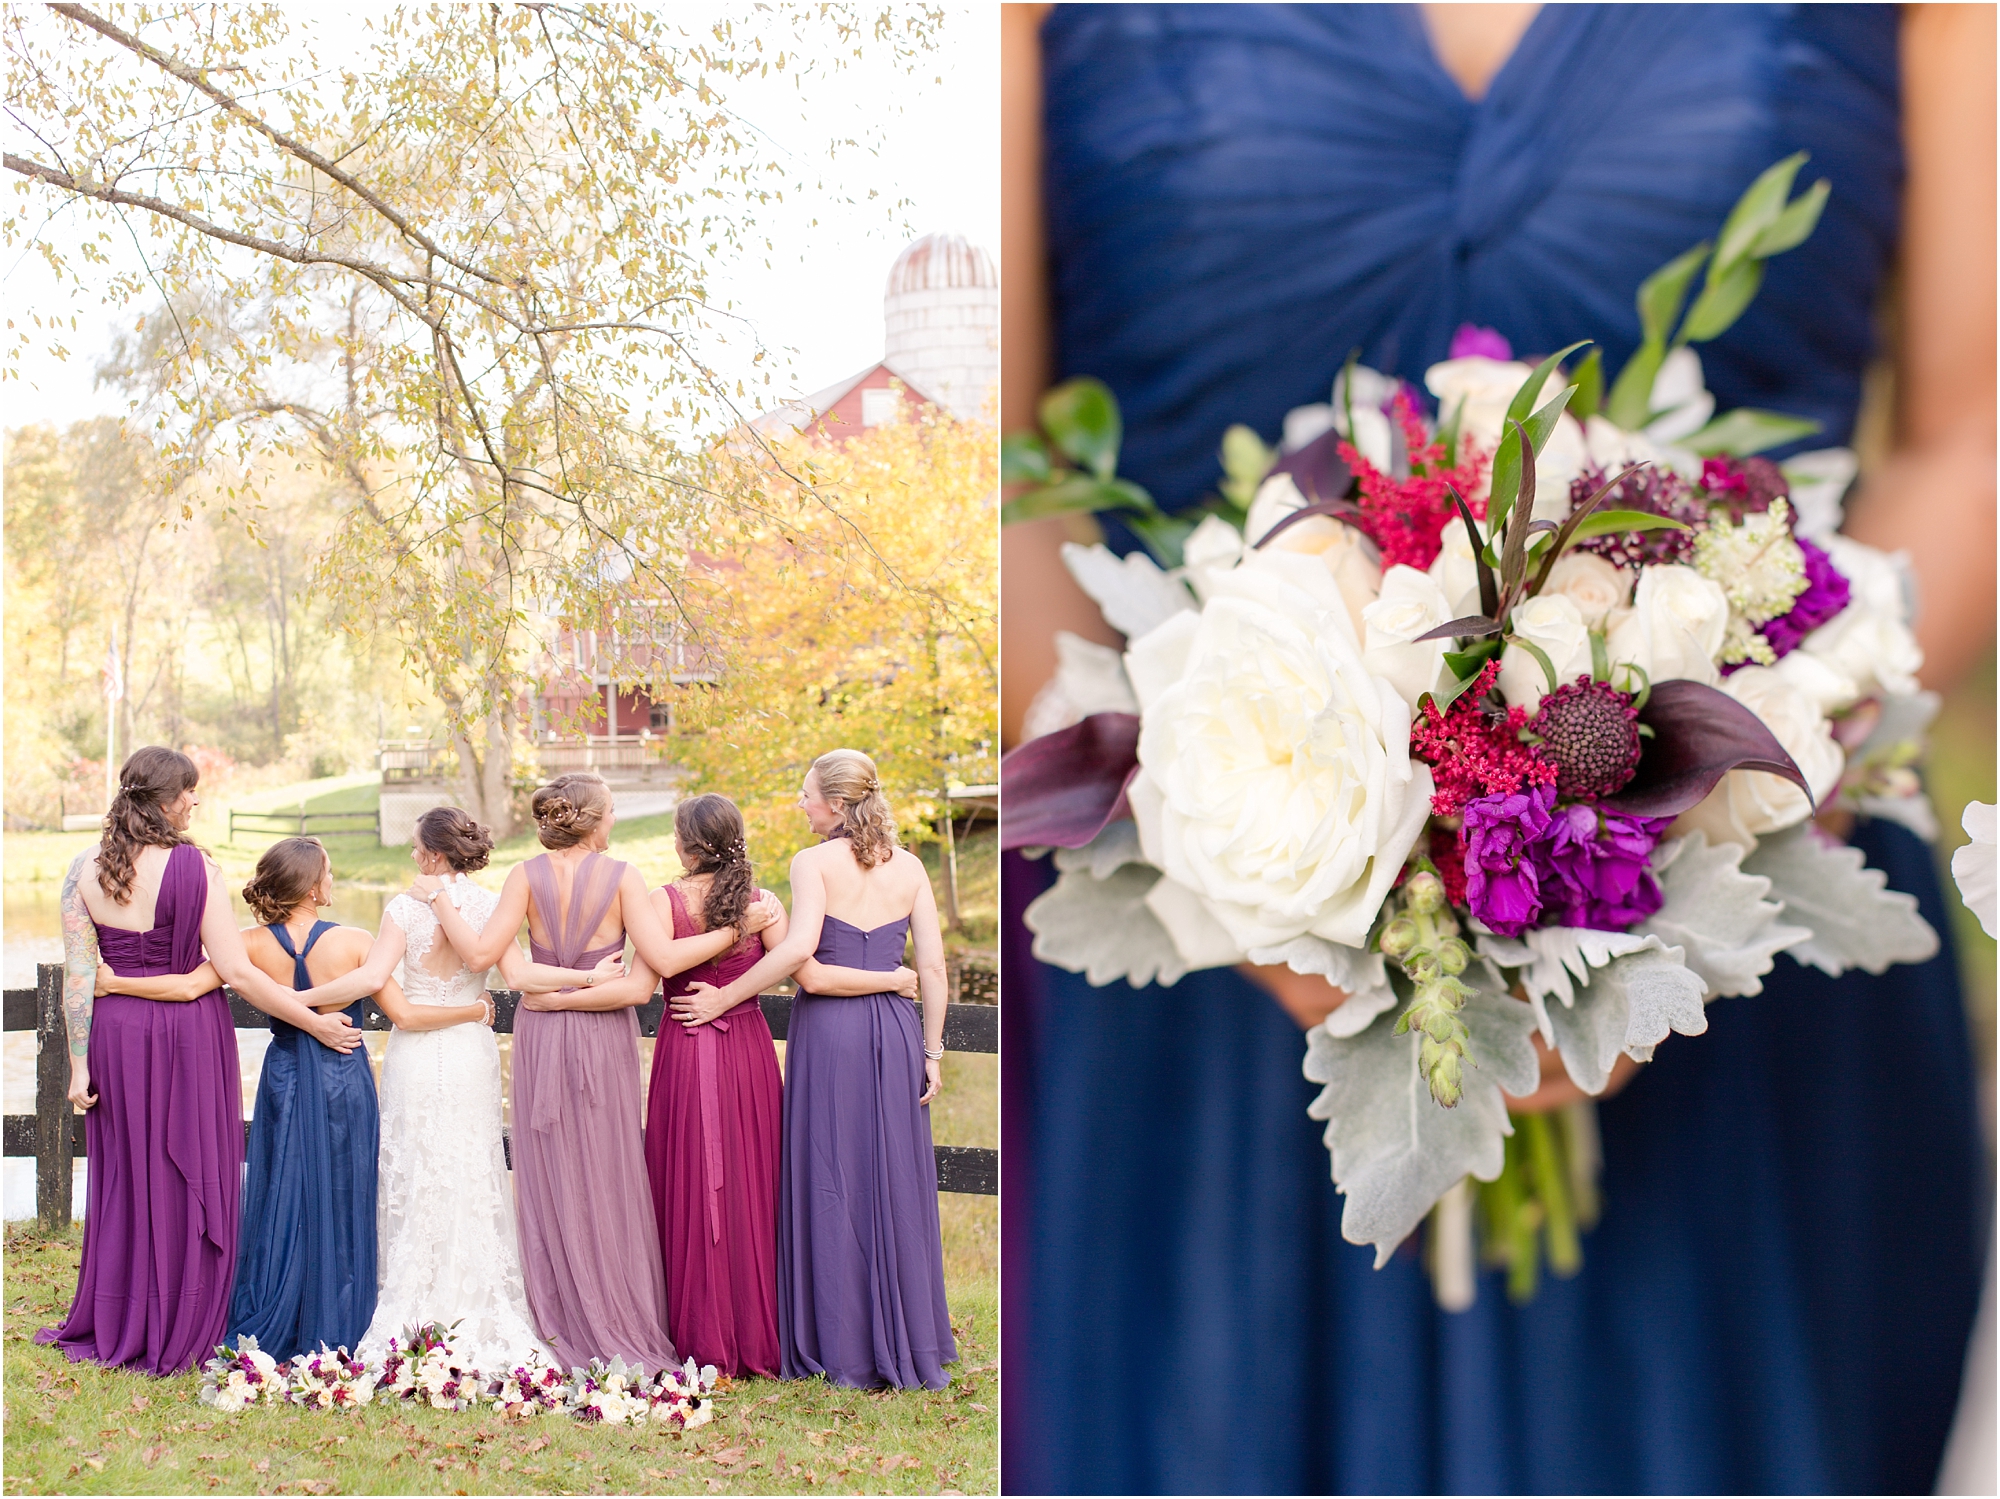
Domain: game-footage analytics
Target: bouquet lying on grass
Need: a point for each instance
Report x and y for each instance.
(1507, 720)
(425, 1367)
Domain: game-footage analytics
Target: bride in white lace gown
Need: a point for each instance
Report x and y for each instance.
(448, 1250)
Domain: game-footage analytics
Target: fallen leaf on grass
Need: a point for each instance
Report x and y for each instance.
(95, 1462)
(154, 1454)
(140, 1402)
(817, 1438)
(730, 1455)
(262, 1465)
(981, 1409)
(663, 1475)
(536, 1445)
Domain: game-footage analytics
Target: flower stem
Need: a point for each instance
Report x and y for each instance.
(1552, 1187)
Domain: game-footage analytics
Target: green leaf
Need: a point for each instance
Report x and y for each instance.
(1747, 430)
(1795, 224)
(1164, 536)
(1600, 657)
(1540, 655)
(1081, 415)
(1661, 295)
(1023, 459)
(1589, 386)
(1722, 302)
(1467, 663)
(1452, 693)
(1531, 388)
(1754, 212)
(1506, 483)
(1543, 422)
(1618, 522)
(1631, 404)
(1077, 494)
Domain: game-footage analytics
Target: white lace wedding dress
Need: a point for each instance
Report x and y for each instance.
(448, 1248)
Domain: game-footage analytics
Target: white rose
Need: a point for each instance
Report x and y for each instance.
(1869, 642)
(1455, 570)
(1748, 803)
(1829, 688)
(1213, 547)
(1595, 586)
(1347, 555)
(1411, 603)
(1680, 396)
(1613, 449)
(1276, 780)
(1675, 628)
(1556, 625)
(1487, 387)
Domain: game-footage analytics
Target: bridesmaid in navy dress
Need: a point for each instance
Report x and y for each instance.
(860, 1260)
(1230, 199)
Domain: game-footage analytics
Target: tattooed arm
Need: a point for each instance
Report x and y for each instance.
(79, 975)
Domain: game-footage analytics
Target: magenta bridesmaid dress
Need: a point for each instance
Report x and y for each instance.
(712, 1126)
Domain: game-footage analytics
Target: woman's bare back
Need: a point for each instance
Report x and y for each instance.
(868, 898)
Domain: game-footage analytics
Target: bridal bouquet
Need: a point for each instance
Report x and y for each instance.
(1506, 711)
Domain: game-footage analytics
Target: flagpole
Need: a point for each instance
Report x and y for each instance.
(111, 722)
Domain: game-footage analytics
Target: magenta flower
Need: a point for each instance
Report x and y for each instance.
(1825, 596)
(1471, 341)
(1505, 861)
(1599, 868)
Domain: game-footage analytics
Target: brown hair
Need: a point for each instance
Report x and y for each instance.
(711, 830)
(287, 873)
(451, 831)
(569, 808)
(847, 779)
(149, 779)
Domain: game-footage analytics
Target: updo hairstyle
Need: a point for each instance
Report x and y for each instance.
(848, 781)
(149, 781)
(710, 830)
(287, 873)
(569, 808)
(451, 831)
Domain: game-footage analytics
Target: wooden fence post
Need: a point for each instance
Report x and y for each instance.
(54, 1131)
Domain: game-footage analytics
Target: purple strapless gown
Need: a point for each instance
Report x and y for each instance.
(166, 1153)
(860, 1260)
(589, 1249)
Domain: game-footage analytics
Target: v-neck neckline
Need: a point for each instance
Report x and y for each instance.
(1427, 45)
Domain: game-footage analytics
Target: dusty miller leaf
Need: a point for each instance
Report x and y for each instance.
(1717, 915)
(1395, 1151)
(1629, 1005)
(1116, 846)
(1855, 919)
(1102, 928)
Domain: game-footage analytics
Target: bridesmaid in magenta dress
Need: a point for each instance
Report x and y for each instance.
(158, 1079)
(714, 1110)
(589, 1250)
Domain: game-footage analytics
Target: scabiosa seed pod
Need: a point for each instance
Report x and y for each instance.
(1655, 489)
(1591, 731)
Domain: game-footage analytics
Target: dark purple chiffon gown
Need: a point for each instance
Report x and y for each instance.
(860, 1260)
(166, 1153)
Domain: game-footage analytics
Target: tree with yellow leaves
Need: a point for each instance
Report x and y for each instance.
(857, 607)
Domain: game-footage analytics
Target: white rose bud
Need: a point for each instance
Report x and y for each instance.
(1487, 387)
(1455, 570)
(1556, 626)
(1675, 628)
(1411, 604)
(1595, 586)
(1748, 803)
(1348, 556)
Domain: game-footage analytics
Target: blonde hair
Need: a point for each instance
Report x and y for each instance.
(569, 808)
(847, 779)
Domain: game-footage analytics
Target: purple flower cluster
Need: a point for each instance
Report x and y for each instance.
(1529, 863)
(1655, 489)
(1825, 596)
(1486, 343)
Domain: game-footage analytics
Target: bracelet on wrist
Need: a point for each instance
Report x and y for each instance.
(935, 1056)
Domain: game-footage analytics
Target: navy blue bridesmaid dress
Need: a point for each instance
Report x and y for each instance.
(1778, 1296)
(305, 1267)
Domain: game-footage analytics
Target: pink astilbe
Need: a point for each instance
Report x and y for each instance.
(1473, 752)
(1406, 517)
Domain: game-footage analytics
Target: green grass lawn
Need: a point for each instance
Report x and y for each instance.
(79, 1428)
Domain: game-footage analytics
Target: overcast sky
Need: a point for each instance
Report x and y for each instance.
(820, 301)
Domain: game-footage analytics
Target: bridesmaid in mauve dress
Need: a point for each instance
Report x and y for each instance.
(860, 1262)
(589, 1249)
(159, 1080)
(713, 1111)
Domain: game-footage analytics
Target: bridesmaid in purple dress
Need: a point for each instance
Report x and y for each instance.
(860, 1262)
(158, 1078)
(589, 1249)
(713, 1111)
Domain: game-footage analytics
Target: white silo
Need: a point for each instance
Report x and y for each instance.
(942, 312)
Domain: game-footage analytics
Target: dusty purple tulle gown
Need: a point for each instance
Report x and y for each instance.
(860, 1262)
(166, 1152)
(589, 1248)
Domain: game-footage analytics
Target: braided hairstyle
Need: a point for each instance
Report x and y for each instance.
(149, 781)
(569, 808)
(710, 830)
(287, 874)
(847, 779)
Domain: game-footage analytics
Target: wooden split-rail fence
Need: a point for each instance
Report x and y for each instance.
(54, 1133)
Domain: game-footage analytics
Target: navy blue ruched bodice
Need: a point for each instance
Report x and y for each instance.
(1778, 1295)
